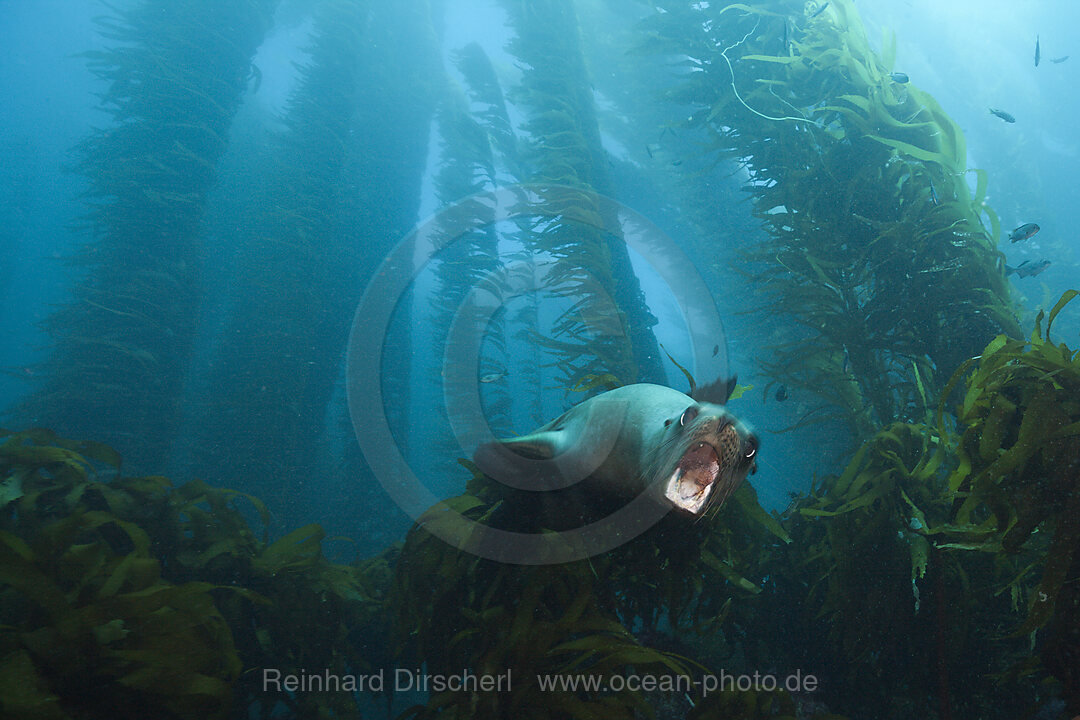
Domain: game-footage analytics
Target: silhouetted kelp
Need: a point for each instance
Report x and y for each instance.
(470, 260)
(343, 186)
(174, 78)
(272, 373)
(561, 146)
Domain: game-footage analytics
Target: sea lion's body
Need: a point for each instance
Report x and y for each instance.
(638, 439)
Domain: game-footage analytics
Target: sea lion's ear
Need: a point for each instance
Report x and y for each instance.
(716, 392)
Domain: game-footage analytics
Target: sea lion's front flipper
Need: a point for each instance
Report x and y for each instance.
(527, 462)
(536, 446)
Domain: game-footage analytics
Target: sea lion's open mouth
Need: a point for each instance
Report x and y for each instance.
(695, 478)
(692, 482)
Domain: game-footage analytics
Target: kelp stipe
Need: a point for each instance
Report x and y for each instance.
(564, 148)
(175, 74)
(333, 205)
(272, 372)
(470, 261)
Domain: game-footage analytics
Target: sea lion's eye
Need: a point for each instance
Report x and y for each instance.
(751, 449)
(688, 416)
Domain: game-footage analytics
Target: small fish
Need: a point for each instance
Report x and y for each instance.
(1037, 53)
(676, 163)
(715, 350)
(847, 363)
(255, 74)
(933, 192)
(1027, 268)
(818, 11)
(899, 77)
(648, 150)
(1059, 60)
(1003, 115)
(492, 377)
(781, 393)
(1023, 232)
(785, 34)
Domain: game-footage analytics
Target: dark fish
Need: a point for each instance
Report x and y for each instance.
(255, 74)
(715, 350)
(818, 11)
(781, 393)
(1027, 268)
(847, 363)
(1023, 232)
(898, 77)
(1003, 115)
(676, 163)
(1037, 53)
(648, 150)
(933, 192)
(785, 34)
(1059, 60)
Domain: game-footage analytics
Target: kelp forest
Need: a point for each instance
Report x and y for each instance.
(933, 571)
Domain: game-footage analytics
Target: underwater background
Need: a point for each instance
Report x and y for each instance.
(204, 203)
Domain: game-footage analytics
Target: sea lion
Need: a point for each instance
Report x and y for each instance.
(648, 439)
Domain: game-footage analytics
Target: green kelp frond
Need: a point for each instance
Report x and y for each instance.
(962, 534)
(871, 539)
(457, 611)
(134, 598)
(1018, 454)
(871, 582)
(877, 248)
(87, 606)
(626, 611)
